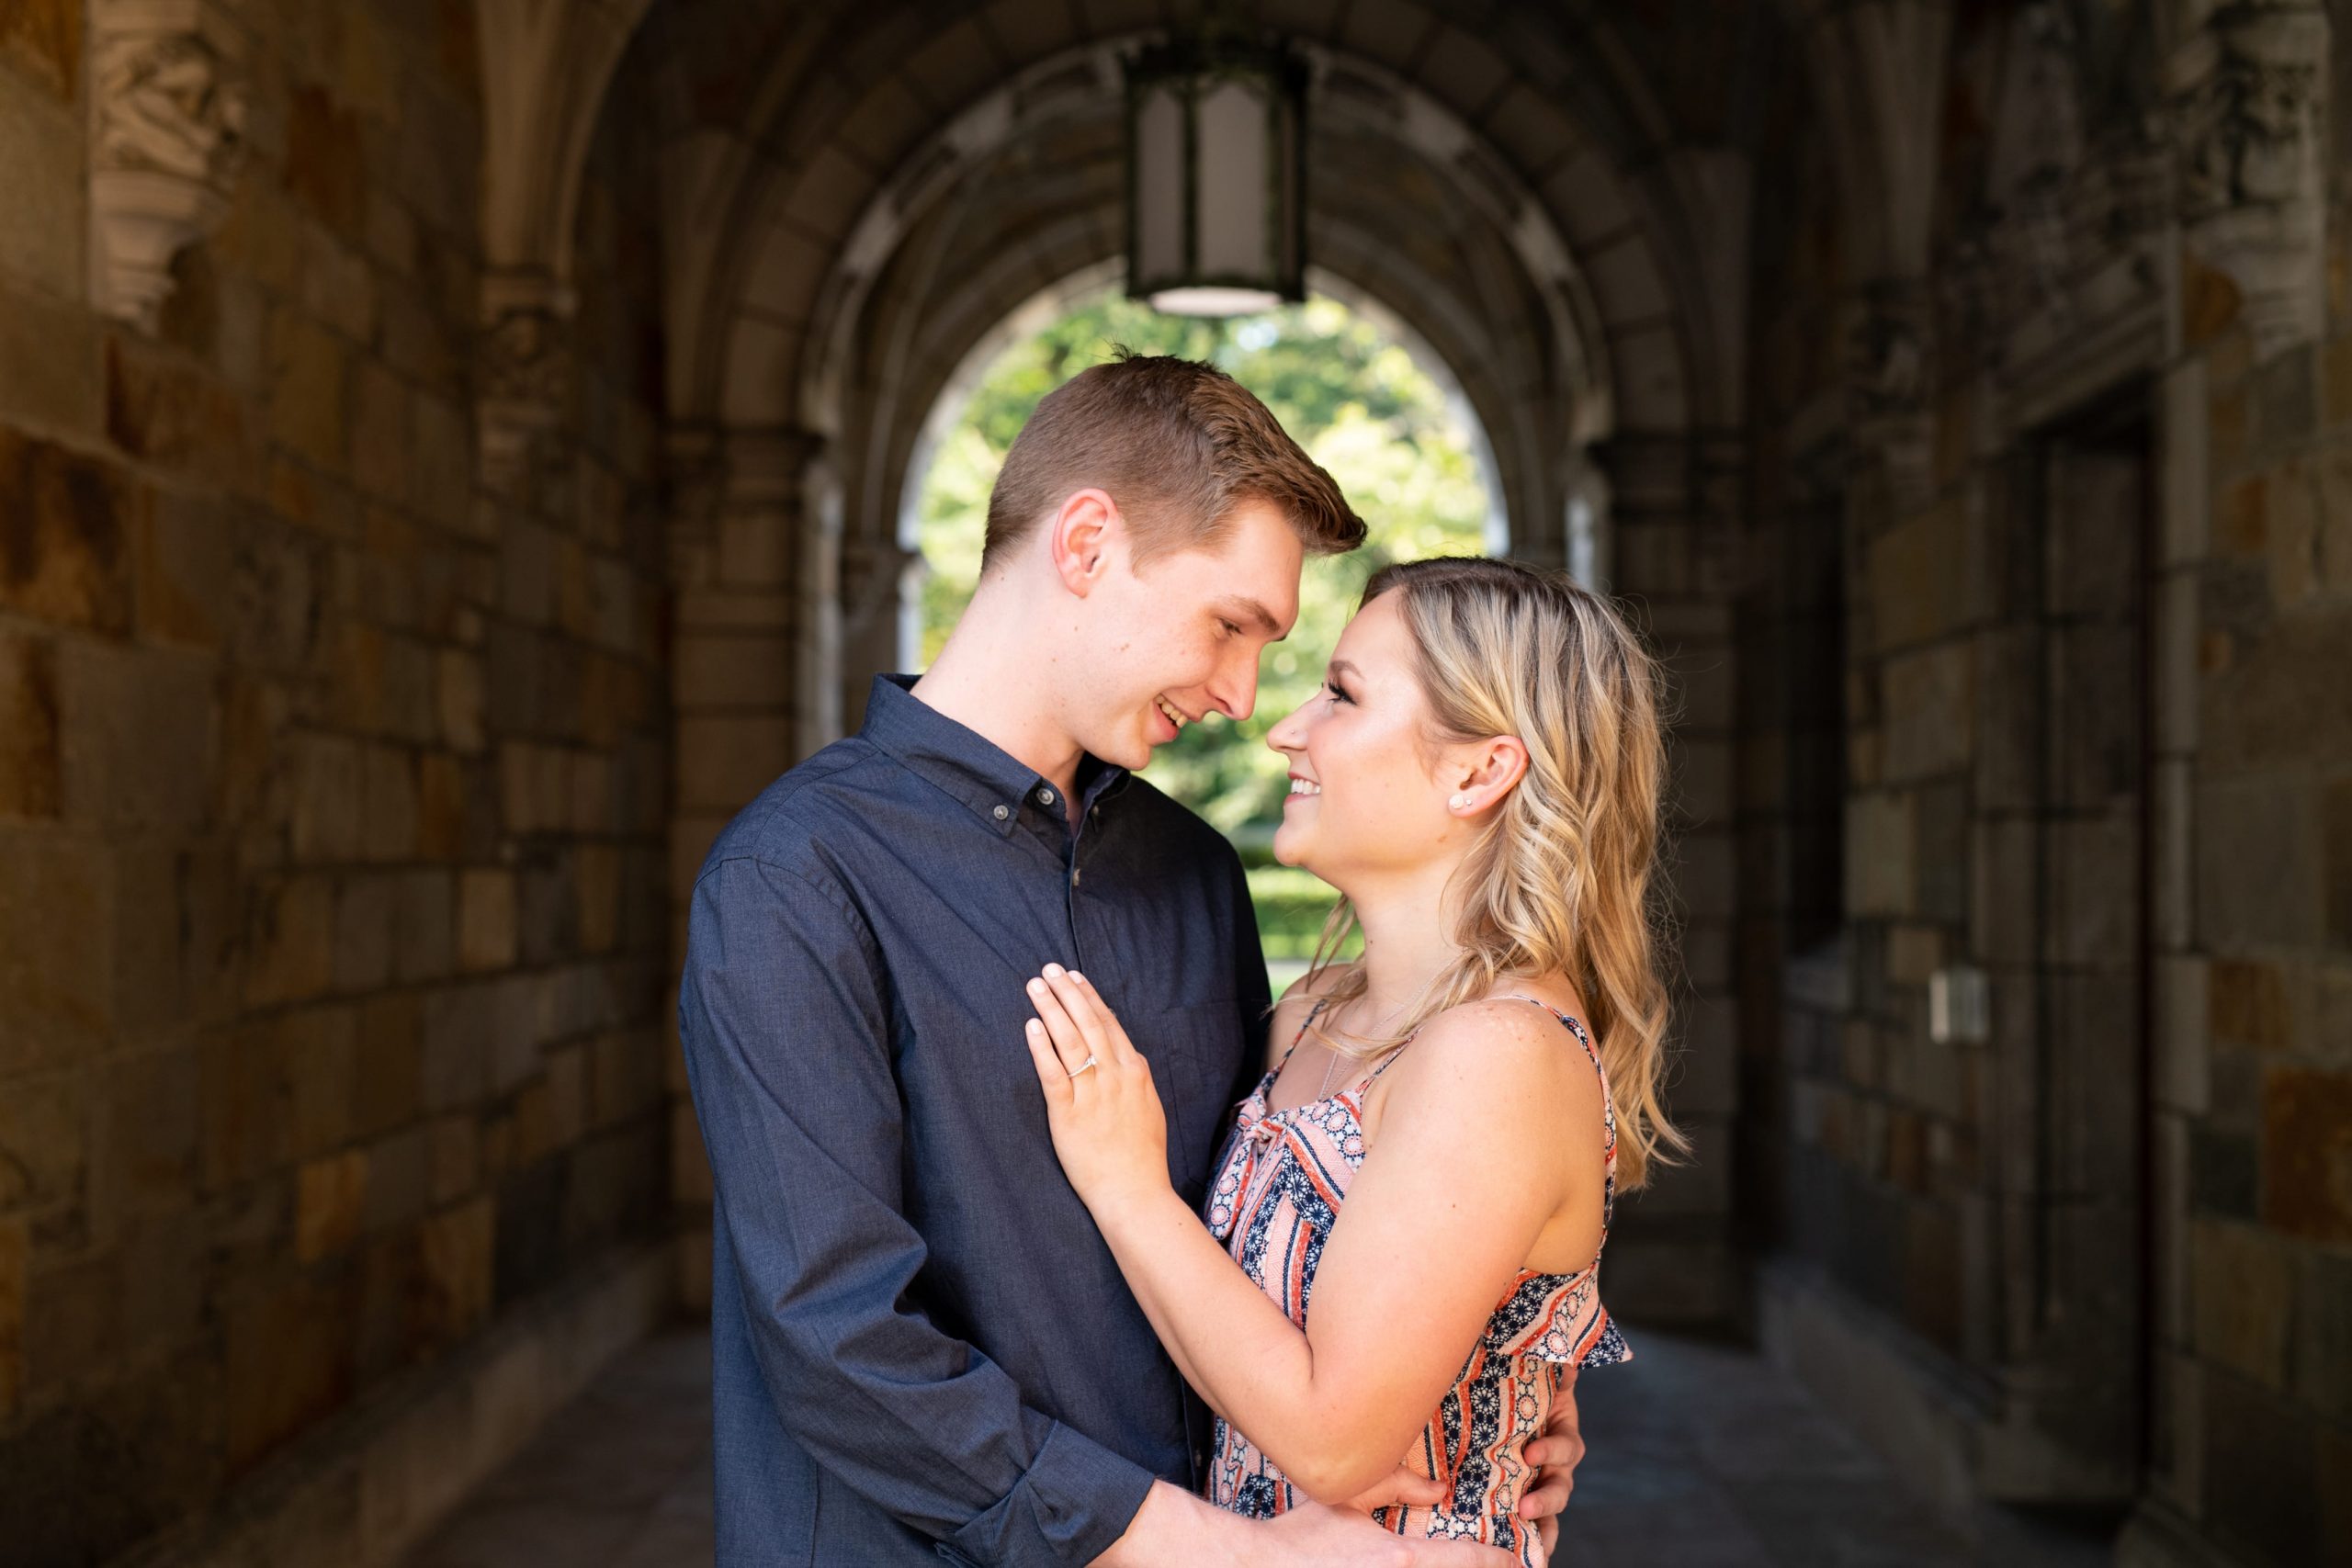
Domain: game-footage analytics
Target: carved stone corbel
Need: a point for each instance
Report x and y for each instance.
(1888, 335)
(2066, 256)
(168, 99)
(2248, 101)
(524, 385)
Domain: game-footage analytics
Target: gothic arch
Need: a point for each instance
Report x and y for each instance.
(769, 345)
(833, 122)
(554, 61)
(853, 201)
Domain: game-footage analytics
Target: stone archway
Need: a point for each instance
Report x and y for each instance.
(847, 223)
(997, 203)
(352, 749)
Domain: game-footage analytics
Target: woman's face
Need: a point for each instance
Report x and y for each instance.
(1363, 801)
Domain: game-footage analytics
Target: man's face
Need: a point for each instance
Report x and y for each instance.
(1182, 637)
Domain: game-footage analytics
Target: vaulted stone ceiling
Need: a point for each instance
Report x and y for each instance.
(856, 197)
(1540, 192)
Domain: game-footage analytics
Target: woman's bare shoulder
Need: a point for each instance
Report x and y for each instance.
(1465, 1049)
(1495, 1103)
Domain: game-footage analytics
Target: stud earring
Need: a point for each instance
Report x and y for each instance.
(1458, 802)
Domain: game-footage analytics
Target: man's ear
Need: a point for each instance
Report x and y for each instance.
(1081, 537)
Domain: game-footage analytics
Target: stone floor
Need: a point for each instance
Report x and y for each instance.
(621, 1479)
(1702, 1456)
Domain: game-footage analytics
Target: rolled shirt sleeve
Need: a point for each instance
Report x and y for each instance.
(784, 1012)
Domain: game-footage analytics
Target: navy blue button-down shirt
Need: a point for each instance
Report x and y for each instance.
(922, 1346)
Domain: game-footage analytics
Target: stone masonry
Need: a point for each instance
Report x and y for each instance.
(333, 787)
(452, 456)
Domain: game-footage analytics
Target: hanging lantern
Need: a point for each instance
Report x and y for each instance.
(1216, 176)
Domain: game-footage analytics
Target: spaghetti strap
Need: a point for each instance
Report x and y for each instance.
(1392, 1056)
(1303, 1024)
(1608, 1100)
(1574, 1027)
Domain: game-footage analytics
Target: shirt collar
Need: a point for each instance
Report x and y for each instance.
(987, 780)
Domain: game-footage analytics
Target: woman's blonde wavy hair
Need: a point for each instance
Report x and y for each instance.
(1558, 881)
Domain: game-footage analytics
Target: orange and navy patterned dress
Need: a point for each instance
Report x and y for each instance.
(1279, 1186)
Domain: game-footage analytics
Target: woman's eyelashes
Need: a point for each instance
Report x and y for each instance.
(1339, 694)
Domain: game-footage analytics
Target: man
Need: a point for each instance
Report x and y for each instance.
(922, 1346)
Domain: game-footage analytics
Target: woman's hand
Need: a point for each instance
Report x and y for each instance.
(1556, 1456)
(1405, 1487)
(1108, 1126)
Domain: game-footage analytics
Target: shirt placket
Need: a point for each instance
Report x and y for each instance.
(1077, 847)
(1066, 844)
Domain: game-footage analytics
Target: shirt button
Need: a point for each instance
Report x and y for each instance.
(1073, 876)
(1002, 812)
(1044, 798)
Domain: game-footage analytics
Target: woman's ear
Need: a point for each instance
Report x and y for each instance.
(1080, 537)
(1485, 772)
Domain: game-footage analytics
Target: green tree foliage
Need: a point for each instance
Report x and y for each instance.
(1360, 406)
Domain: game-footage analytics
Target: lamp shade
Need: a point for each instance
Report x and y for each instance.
(1217, 157)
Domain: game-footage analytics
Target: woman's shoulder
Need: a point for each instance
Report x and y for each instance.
(1519, 1033)
(1494, 1077)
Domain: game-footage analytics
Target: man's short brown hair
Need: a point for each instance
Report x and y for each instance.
(1178, 445)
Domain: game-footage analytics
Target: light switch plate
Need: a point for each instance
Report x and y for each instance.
(1960, 1005)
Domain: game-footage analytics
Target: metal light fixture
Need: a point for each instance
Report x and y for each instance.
(1217, 175)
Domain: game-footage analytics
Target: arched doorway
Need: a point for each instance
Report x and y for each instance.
(853, 217)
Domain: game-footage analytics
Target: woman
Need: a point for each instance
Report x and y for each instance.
(1479, 780)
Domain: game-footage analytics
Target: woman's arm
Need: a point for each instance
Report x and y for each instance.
(1281, 1026)
(1482, 1133)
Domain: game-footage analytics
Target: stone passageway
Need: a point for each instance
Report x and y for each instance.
(1703, 1456)
(454, 454)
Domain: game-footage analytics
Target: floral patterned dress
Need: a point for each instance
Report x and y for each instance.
(1279, 1186)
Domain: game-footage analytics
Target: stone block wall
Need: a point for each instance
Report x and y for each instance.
(2254, 984)
(332, 788)
(2092, 517)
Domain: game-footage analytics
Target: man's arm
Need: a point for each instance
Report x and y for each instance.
(785, 1019)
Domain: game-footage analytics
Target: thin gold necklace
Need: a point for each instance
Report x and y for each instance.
(1323, 1089)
